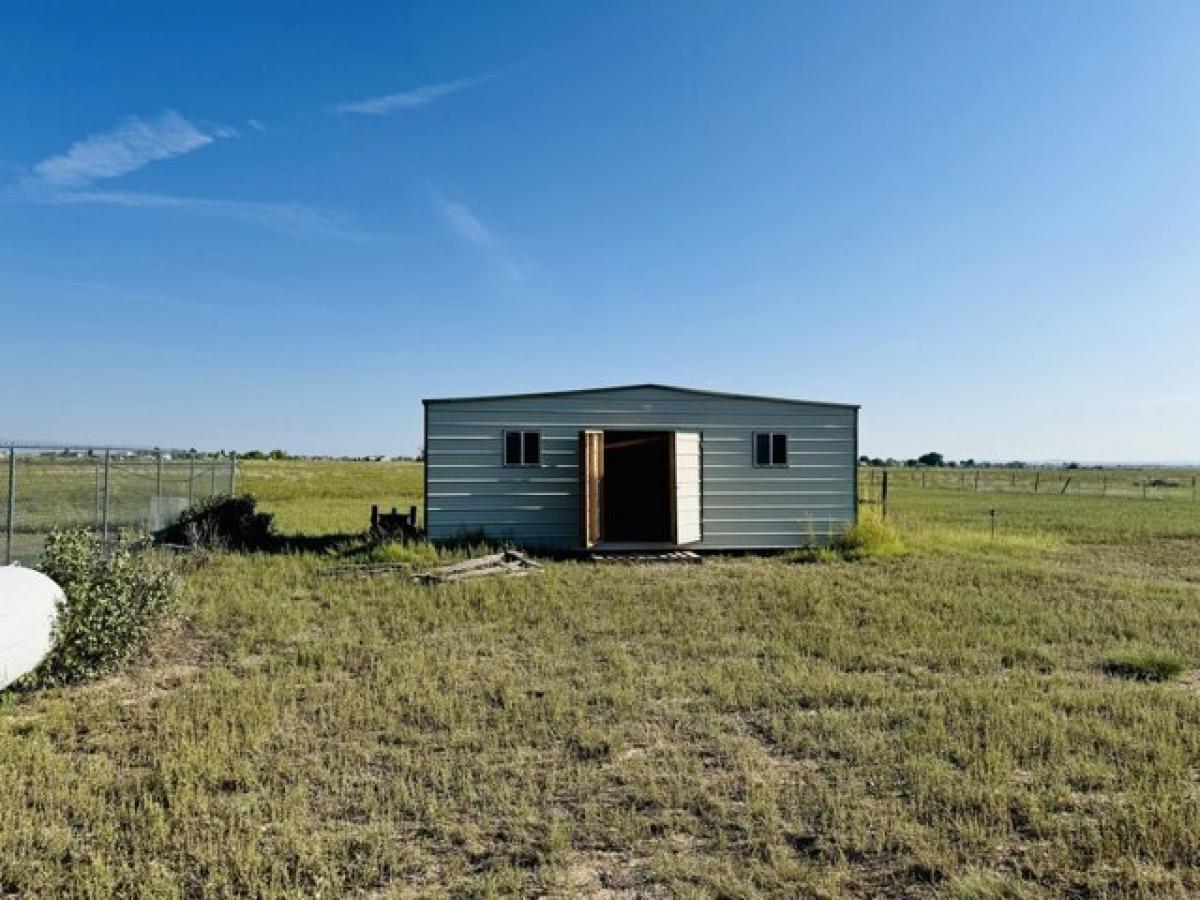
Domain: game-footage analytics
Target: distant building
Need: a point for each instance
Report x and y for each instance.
(640, 467)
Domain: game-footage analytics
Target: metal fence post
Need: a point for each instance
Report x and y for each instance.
(104, 513)
(12, 504)
(192, 478)
(158, 495)
(232, 474)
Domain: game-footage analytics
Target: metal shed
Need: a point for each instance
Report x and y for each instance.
(644, 466)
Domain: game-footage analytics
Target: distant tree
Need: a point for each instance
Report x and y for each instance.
(967, 463)
(931, 459)
(864, 460)
(277, 454)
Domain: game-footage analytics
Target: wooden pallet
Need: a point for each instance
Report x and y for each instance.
(510, 562)
(670, 556)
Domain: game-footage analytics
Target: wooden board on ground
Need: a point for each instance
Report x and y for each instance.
(673, 556)
(510, 562)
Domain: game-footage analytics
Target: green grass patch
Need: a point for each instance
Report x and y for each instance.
(1144, 666)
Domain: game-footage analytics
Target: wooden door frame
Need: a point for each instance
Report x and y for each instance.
(591, 486)
(673, 488)
(591, 490)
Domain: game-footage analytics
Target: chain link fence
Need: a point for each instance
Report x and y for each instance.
(109, 489)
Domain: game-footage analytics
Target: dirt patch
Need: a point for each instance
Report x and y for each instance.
(604, 875)
(176, 654)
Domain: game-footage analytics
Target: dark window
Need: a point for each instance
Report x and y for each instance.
(522, 448)
(512, 448)
(533, 448)
(762, 449)
(779, 449)
(770, 449)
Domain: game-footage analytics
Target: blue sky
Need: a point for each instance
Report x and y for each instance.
(281, 225)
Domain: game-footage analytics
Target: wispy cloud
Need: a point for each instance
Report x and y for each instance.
(69, 177)
(463, 222)
(287, 218)
(414, 98)
(131, 145)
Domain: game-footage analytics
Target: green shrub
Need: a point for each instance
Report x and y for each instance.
(871, 536)
(223, 523)
(1144, 666)
(111, 600)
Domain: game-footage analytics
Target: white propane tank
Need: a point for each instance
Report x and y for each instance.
(28, 608)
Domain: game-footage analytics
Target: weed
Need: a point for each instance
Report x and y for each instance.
(1144, 666)
(417, 553)
(809, 555)
(871, 536)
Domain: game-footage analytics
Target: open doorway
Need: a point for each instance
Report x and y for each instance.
(638, 504)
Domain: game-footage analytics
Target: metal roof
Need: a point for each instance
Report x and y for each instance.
(631, 387)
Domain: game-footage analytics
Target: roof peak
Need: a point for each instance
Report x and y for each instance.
(643, 386)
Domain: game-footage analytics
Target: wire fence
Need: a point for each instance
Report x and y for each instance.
(109, 489)
(1145, 484)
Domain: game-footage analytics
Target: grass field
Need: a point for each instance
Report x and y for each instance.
(331, 497)
(949, 722)
(60, 491)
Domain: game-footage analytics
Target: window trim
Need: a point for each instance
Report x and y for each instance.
(771, 463)
(522, 464)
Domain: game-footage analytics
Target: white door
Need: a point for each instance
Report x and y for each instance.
(687, 487)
